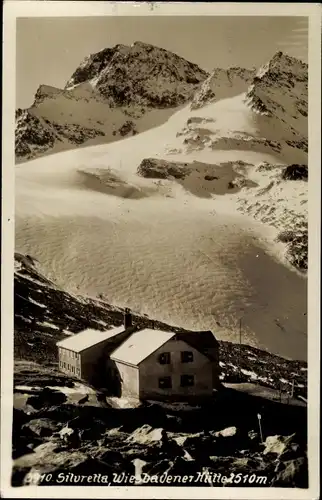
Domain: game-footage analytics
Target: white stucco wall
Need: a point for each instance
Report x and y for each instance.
(150, 370)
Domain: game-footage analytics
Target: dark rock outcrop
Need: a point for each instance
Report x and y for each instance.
(295, 172)
(42, 427)
(297, 247)
(140, 73)
(291, 474)
(47, 397)
(162, 169)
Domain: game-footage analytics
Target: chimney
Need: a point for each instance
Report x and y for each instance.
(127, 319)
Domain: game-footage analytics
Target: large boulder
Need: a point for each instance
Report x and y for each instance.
(42, 427)
(295, 172)
(162, 169)
(277, 445)
(198, 446)
(291, 473)
(145, 443)
(228, 432)
(224, 442)
(145, 435)
(47, 397)
(230, 440)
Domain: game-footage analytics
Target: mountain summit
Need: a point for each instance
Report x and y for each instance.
(280, 90)
(116, 92)
(140, 74)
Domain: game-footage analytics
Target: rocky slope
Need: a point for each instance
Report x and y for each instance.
(279, 91)
(281, 201)
(113, 93)
(35, 134)
(57, 441)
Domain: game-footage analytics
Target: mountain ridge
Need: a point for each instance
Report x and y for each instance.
(125, 90)
(222, 83)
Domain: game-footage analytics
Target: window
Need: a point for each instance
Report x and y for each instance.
(68, 366)
(164, 358)
(64, 364)
(186, 357)
(165, 383)
(78, 371)
(187, 380)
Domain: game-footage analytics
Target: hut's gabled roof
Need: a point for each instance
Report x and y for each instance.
(88, 338)
(140, 345)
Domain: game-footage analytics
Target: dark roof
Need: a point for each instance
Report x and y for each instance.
(204, 341)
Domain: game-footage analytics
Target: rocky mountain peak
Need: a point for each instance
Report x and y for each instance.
(280, 90)
(139, 74)
(282, 63)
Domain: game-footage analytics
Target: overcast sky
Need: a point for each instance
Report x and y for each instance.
(50, 49)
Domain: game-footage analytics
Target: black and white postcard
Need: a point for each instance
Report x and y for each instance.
(160, 259)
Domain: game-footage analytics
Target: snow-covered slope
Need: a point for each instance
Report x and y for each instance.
(112, 94)
(221, 84)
